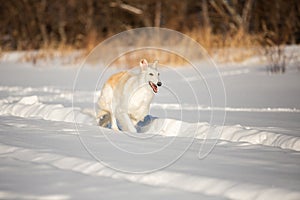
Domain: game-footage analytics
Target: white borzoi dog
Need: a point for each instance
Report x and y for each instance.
(125, 97)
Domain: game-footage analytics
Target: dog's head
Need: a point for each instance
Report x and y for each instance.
(151, 74)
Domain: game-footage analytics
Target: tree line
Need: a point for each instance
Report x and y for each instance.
(35, 24)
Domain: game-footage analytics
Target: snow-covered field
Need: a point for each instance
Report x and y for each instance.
(45, 155)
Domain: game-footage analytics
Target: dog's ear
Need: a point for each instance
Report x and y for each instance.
(143, 64)
(155, 64)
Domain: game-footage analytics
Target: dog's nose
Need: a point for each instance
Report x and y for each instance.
(159, 83)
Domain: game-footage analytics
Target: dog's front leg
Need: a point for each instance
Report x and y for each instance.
(126, 122)
(114, 124)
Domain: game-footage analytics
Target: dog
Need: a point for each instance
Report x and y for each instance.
(125, 97)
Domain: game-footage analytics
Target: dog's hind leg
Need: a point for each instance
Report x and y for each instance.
(104, 120)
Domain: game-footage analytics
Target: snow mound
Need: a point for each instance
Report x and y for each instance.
(30, 106)
(236, 133)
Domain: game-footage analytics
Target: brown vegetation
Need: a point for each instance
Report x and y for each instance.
(215, 24)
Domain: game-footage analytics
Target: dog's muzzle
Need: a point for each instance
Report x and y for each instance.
(154, 87)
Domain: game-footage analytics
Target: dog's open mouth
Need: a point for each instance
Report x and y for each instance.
(153, 86)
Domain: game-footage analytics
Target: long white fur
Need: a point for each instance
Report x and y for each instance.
(126, 97)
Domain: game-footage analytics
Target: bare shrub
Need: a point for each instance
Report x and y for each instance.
(274, 50)
(276, 58)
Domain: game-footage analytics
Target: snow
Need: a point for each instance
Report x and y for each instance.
(183, 152)
(30, 106)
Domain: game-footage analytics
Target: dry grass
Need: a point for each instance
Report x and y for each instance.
(51, 52)
(224, 47)
(235, 46)
(132, 59)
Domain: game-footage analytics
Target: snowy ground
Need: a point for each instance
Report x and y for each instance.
(45, 156)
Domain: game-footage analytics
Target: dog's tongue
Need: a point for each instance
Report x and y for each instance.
(154, 87)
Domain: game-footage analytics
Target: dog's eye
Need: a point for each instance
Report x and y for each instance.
(151, 74)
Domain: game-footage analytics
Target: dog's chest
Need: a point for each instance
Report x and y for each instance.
(139, 103)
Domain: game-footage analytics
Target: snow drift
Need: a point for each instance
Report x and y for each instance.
(31, 107)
